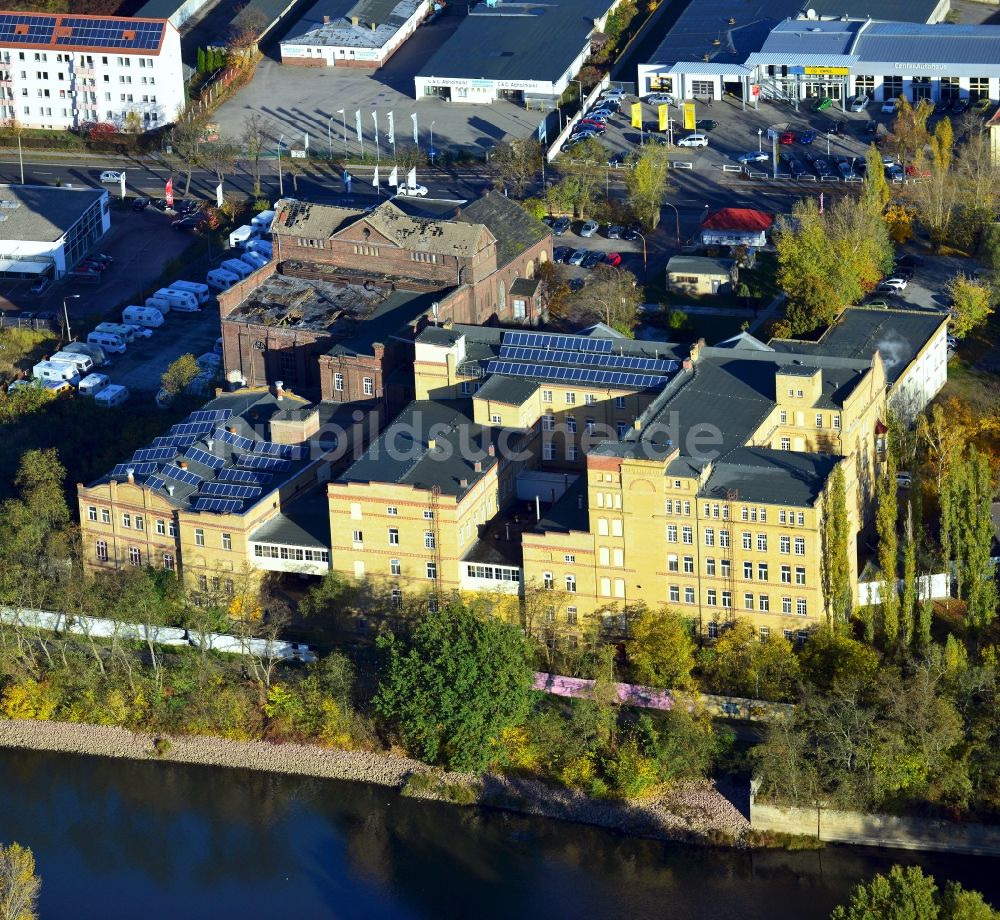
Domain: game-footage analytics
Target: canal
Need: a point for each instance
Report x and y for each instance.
(119, 839)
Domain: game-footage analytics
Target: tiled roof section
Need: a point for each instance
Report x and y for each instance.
(774, 477)
(514, 228)
(745, 219)
(305, 522)
(569, 513)
(445, 237)
(310, 221)
(511, 391)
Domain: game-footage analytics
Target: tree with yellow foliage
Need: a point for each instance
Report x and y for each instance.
(19, 883)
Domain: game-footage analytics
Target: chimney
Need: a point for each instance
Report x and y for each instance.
(131, 475)
(432, 444)
(458, 213)
(182, 464)
(478, 466)
(374, 26)
(170, 490)
(354, 21)
(696, 349)
(464, 483)
(210, 443)
(687, 364)
(491, 450)
(232, 429)
(279, 386)
(326, 20)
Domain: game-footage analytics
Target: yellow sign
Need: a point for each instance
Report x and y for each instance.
(664, 117)
(636, 114)
(689, 119)
(826, 71)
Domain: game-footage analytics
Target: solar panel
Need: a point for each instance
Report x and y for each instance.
(197, 428)
(231, 489)
(248, 476)
(550, 340)
(210, 415)
(258, 462)
(637, 362)
(238, 441)
(201, 456)
(156, 482)
(577, 374)
(185, 476)
(80, 31)
(218, 505)
(175, 440)
(140, 469)
(154, 453)
(271, 449)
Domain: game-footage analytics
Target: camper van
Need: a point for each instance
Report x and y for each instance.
(200, 291)
(261, 246)
(110, 342)
(93, 384)
(111, 396)
(238, 268)
(220, 279)
(241, 236)
(84, 364)
(142, 316)
(95, 352)
(181, 301)
(255, 260)
(119, 329)
(56, 371)
(262, 222)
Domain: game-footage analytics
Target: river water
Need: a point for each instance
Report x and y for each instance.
(119, 839)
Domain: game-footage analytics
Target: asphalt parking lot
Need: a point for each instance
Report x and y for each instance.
(631, 252)
(307, 100)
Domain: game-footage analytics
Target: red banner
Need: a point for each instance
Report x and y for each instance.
(169, 196)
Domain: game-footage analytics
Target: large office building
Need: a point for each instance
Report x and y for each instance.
(524, 51)
(63, 71)
(46, 230)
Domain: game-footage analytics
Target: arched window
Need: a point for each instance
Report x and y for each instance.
(529, 269)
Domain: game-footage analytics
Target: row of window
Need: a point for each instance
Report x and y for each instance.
(132, 521)
(715, 630)
(367, 384)
(134, 555)
(84, 60)
(569, 424)
(589, 399)
(820, 422)
(785, 542)
(761, 602)
(390, 510)
(493, 572)
(429, 539)
(269, 551)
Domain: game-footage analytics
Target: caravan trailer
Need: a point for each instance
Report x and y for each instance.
(221, 280)
(142, 316)
(56, 372)
(112, 396)
(237, 268)
(181, 301)
(84, 364)
(109, 342)
(200, 291)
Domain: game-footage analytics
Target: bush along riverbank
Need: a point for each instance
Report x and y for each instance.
(694, 812)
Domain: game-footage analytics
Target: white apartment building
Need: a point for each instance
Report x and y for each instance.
(62, 71)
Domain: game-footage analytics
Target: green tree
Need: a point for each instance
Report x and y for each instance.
(904, 894)
(516, 163)
(201, 60)
(584, 171)
(662, 649)
(836, 546)
(942, 144)
(832, 660)
(875, 192)
(186, 138)
(179, 374)
(971, 304)
(253, 139)
(19, 884)
(886, 515)
(740, 664)
(805, 270)
(452, 689)
(647, 183)
(612, 296)
(908, 602)
(936, 198)
(977, 538)
(909, 129)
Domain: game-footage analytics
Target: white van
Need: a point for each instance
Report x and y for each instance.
(241, 236)
(238, 268)
(142, 316)
(92, 384)
(158, 303)
(181, 301)
(262, 222)
(110, 342)
(221, 280)
(255, 260)
(83, 363)
(95, 352)
(112, 396)
(120, 329)
(56, 372)
(200, 291)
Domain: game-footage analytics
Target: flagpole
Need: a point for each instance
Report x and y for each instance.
(377, 145)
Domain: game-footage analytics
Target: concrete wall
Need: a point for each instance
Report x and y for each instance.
(876, 830)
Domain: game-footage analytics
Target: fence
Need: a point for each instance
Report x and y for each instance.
(585, 104)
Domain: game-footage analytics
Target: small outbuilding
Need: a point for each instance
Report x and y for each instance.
(736, 227)
(700, 276)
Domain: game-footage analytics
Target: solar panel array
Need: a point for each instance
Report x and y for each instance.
(196, 428)
(156, 482)
(231, 489)
(550, 340)
(271, 449)
(175, 440)
(259, 462)
(577, 374)
(218, 505)
(250, 477)
(238, 441)
(210, 415)
(625, 362)
(140, 469)
(185, 476)
(154, 453)
(81, 31)
(200, 456)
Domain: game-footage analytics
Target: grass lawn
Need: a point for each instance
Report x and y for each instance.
(21, 349)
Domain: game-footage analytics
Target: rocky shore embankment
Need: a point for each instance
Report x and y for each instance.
(694, 813)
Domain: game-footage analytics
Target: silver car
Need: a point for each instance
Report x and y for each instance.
(578, 257)
(589, 228)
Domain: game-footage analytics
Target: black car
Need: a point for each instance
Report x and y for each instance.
(160, 204)
(706, 124)
(616, 160)
(871, 128)
(140, 203)
(840, 128)
(615, 232)
(592, 259)
(909, 261)
(795, 167)
(186, 206)
(906, 273)
(822, 167)
(631, 234)
(561, 253)
(560, 226)
(191, 222)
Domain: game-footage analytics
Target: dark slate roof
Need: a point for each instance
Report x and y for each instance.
(512, 391)
(517, 41)
(888, 10)
(402, 454)
(699, 265)
(514, 228)
(524, 287)
(570, 512)
(775, 477)
(897, 334)
(305, 522)
(437, 335)
(743, 341)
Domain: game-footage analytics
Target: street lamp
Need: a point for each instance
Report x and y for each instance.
(281, 184)
(760, 140)
(20, 157)
(329, 135)
(645, 267)
(677, 221)
(69, 336)
(343, 118)
(432, 151)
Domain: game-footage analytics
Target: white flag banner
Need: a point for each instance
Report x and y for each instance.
(305, 141)
(411, 178)
(375, 119)
(394, 177)
(219, 200)
(375, 180)
(357, 124)
(416, 137)
(121, 180)
(391, 136)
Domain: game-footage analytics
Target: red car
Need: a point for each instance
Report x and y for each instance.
(917, 173)
(786, 137)
(613, 259)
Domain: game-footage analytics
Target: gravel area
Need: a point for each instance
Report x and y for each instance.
(695, 813)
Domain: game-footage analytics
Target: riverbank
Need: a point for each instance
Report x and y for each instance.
(696, 813)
